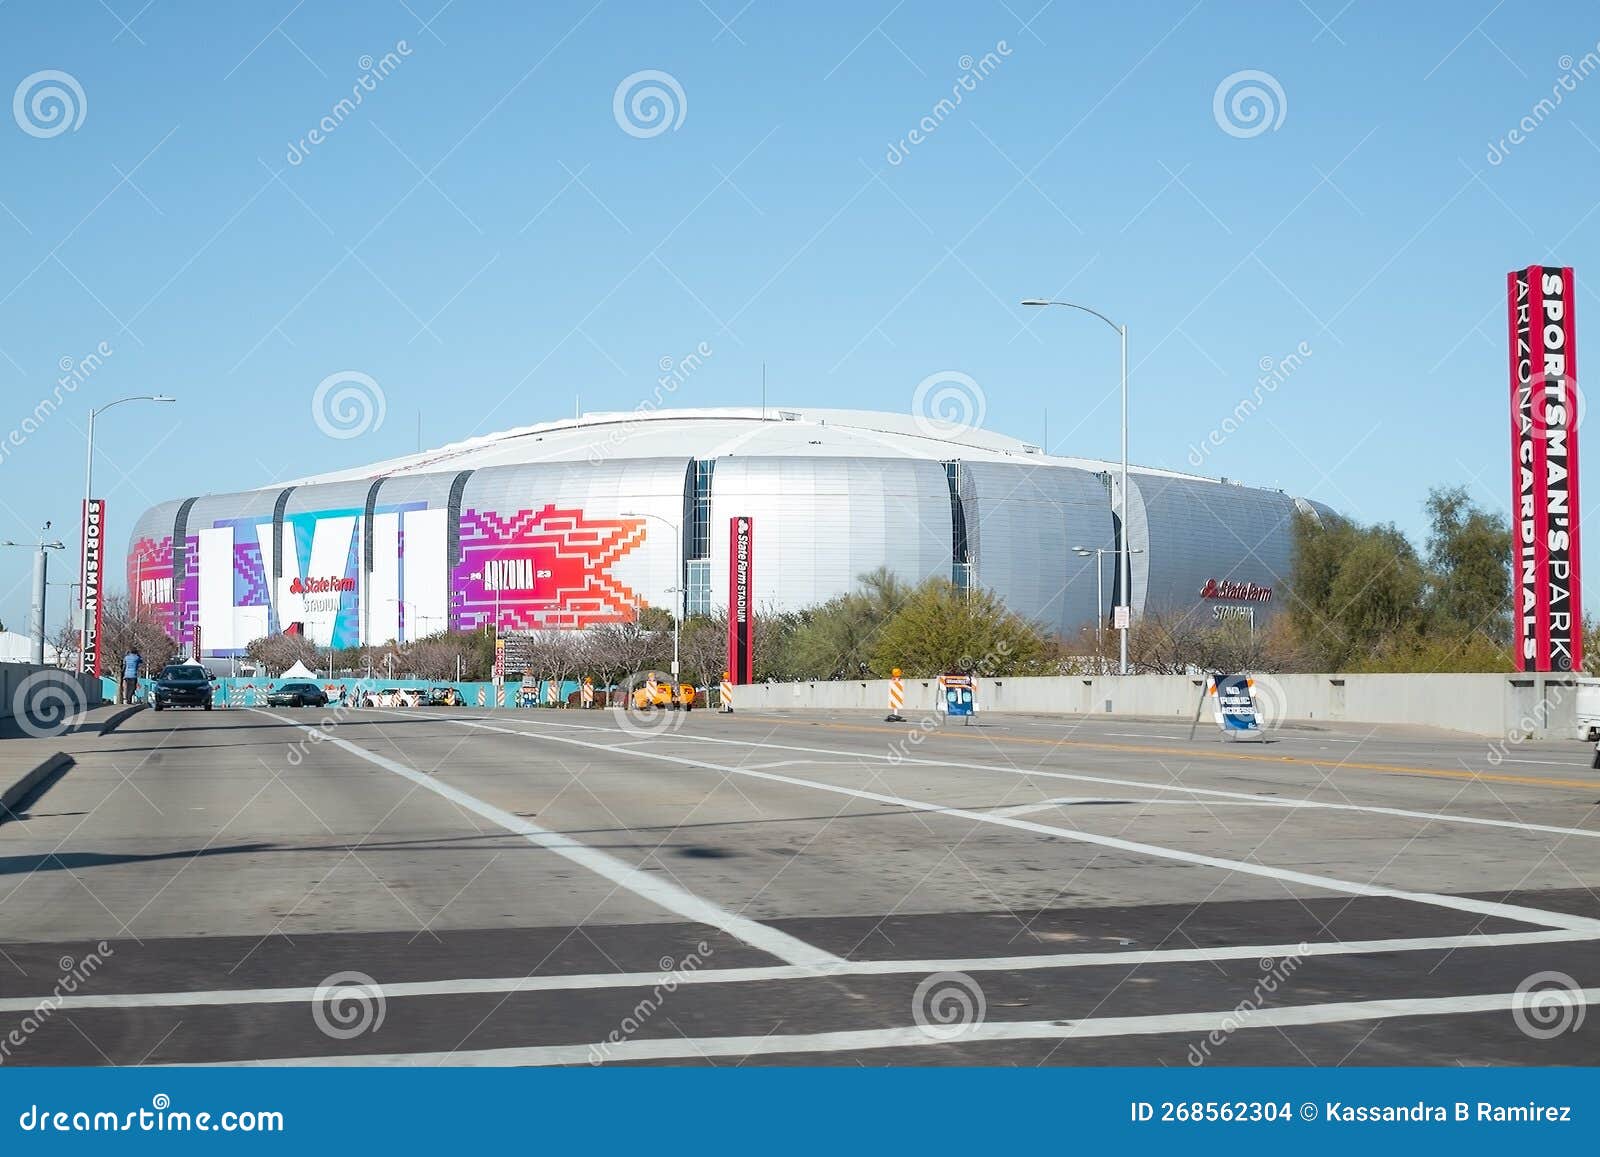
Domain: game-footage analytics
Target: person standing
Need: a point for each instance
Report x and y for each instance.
(132, 664)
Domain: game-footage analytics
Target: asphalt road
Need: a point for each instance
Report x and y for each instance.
(469, 887)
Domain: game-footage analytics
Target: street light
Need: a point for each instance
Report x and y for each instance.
(1099, 591)
(88, 496)
(41, 581)
(677, 550)
(1122, 334)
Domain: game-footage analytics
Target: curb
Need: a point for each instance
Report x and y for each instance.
(118, 718)
(18, 795)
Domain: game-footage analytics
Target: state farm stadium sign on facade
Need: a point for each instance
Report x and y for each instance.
(1235, 592)
(571, 524)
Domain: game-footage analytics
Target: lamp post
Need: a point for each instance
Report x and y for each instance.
(677, 550)
(41, 582)
(1122, 572)
(71, 586)
(88, 496)
(1100, 552)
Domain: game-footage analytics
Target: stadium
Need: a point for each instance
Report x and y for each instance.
(569, 524)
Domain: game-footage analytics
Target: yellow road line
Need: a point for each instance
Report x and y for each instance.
(1193, 753)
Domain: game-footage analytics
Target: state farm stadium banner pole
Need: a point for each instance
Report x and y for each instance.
(741, 611)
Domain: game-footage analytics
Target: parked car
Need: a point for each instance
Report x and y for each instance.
(297, 695)
(391, 697)
(442, 697)
(182, 685)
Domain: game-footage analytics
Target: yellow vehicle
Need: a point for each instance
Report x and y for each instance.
(665, 695)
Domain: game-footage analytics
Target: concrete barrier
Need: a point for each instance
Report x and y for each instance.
(23, 682)
(1521, 706)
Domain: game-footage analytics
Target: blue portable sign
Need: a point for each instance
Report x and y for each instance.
(1234, 705)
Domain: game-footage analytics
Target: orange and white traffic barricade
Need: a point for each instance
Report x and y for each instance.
(481, 697)
(552, 693)
(726, 695)
(586, 693)
(897, 698)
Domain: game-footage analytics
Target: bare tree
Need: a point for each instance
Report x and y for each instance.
(65, 642)
(126, 626)
(278, 653)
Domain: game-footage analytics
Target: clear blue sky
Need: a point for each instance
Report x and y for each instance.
(483, 238)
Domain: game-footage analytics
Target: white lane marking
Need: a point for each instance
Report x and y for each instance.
(650, 886)
(581, 982)
(914, 1036)
(1027, 809)
(1078, 777)
(1287, 875)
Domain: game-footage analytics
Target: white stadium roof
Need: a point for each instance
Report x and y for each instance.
(723, 431)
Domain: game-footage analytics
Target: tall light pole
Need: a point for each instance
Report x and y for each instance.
(1122, 571)
(41, 582)
(88, 496)
(677, 550)
(60, 659)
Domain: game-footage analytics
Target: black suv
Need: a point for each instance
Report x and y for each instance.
(182, 685)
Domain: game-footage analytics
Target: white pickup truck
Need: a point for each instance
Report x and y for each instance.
(1587, 710)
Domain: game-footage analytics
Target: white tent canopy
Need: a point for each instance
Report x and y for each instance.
(298, 671)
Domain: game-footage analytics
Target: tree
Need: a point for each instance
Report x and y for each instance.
(1351, 588)
(126, 625)
(1469, 568)
(277, 653)
(837, 639)
(704, 648)
(619, 651)
(941, 628)
(65, 642)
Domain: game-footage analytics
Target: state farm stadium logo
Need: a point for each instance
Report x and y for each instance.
(321, 586)
(1235, 592)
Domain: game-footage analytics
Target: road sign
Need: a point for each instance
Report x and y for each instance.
(958, 695)
(1234, 706)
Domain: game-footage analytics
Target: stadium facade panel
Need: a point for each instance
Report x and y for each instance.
(578, 523)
